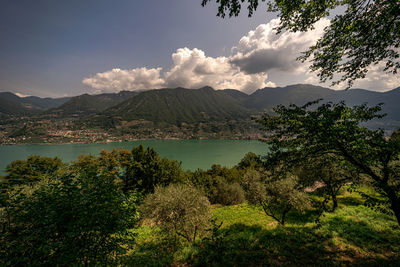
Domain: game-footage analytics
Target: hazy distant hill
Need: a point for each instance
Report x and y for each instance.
(267, 98)
(11, 104)
(175, 106)
(84, 105)
(46, 103)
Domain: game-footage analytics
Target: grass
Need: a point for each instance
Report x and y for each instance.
(353, 235)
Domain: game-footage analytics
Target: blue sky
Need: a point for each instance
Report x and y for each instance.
(49, 47)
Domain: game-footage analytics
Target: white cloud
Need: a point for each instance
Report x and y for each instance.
(259, 53)
(375, 80)
(193, 69)
(378, 80)
(263, 50)
(117, 80)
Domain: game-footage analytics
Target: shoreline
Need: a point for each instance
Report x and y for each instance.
(133, 140)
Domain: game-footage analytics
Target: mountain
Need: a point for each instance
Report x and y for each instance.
(11, 104)
(180, 105)
(46, 103)
(174, 106)
(267, 98)
(84, 105)
(171, 113)
(238, 95)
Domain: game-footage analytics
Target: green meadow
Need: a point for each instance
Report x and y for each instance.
(352, 235)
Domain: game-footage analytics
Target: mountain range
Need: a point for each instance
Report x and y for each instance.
(174, 106)
(84, 105)
(11, 104)
(200, 110)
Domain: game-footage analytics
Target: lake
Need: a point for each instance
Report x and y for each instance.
(192, 153)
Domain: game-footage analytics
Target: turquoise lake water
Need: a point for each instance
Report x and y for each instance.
(192, 153)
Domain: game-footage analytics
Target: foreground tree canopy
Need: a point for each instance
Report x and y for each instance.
(365, 33)
(78, 216)
(300, 134)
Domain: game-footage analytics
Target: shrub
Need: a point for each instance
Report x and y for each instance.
(228, 194)
(180, 210)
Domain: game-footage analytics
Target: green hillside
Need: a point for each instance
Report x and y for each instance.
(86, 104)
(175, 106)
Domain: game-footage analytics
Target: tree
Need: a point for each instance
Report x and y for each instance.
(179, 209)
(31, 170)
(141, 169)
(219, 184)
(300, 133)
(250, 161)
(228, 193)
(325, 176)
(78, 217)
(277, 196)
(365, 33)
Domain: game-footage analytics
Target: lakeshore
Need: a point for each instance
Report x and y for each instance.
(193, 154)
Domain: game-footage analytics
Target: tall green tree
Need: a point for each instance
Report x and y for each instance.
(141, 169)
(361, 33)
(31, 170)
(79, 217)
(300, 133)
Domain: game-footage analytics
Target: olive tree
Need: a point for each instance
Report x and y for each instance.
(179, 209)
(277, 196)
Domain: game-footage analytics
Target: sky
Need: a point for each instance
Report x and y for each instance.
(55, 48)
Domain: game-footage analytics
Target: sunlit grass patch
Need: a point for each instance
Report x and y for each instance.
(353, 234)
(244, 214)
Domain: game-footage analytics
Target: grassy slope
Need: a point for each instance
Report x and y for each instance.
(352, 235)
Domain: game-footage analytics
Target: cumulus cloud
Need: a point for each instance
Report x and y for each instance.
(117, 80)
(245, 69)
(375, 80)
(263, 50)
(259, 53)
(193, 69)
(378, 80)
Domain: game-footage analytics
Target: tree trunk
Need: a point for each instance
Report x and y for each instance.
(394, 202)
(335, 203)
(395, 205)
